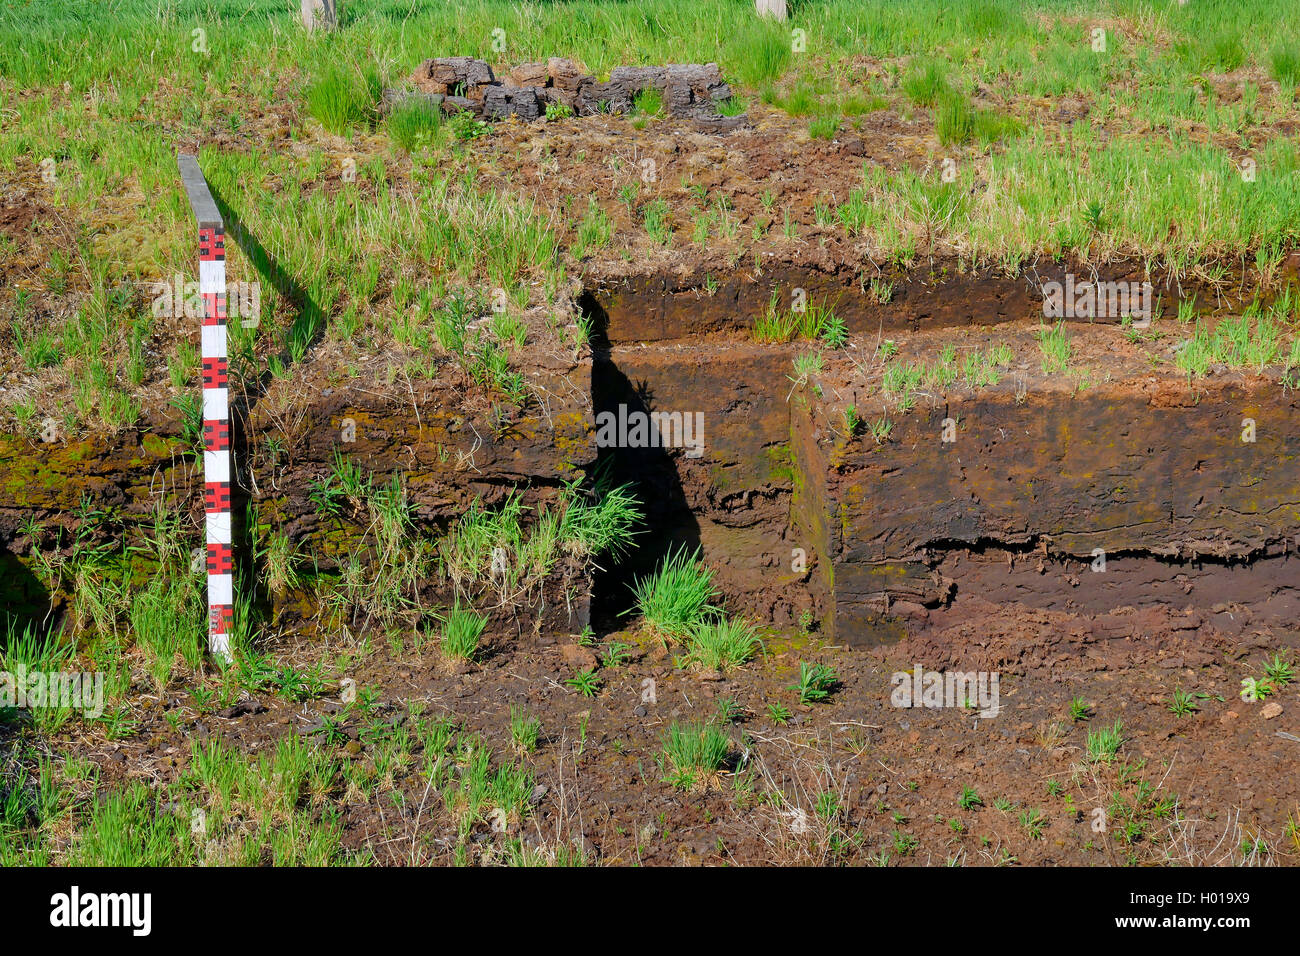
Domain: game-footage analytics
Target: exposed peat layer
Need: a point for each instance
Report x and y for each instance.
(881, 457)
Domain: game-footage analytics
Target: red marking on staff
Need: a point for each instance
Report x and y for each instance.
(220, 559)
(214, 373)
(216, 436)
(214, 308)
(216, 497)
(212, 245)
(221, 619)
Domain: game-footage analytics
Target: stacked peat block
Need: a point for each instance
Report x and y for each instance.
(461, 83)
(688, 89)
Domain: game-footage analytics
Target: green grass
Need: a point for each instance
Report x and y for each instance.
(502, 550)
(734, 106)
(519, 853)
(904, 382)
(1054, 342)
(345, 97)
(594, 231)
(602, 35)
(226, 808)
(280, 564)
(38, 348)
(418, 223)
(31, 651)
(168, 618)
(926, 82)
(695, 752)
(805, 366)
(649, 102)
(956, 122)
(474, 787)
(379, 579)
(722, 644)
(1284, 63)
(811, 321)
(1104, 743)
(134, 600)
(656, 221)
(413, 124)
(880, 429)
(855, 104)
(824, 127)
(676, 599)
(1253, 340)
(461, 630)
(901, 212)
(758, 50)
(524, 730)
(816, 682)
(801, 100)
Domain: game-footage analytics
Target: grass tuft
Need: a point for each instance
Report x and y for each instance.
(1284, 63)
(824, 127)
(649, 102)
(926, 83)
(675, 600)
(344, 97)
(722, 644)
(760, 52)
(1104, 743)
(957, 122)
(696, 751)
(461, 630)
(413, 124)
(1056, 348)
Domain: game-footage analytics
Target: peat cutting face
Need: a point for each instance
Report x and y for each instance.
(1124, 495)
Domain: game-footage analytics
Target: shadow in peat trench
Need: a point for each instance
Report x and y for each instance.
(24, 602)
(652, 473)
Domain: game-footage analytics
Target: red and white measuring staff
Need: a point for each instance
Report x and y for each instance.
(216, 410)
(216, 441)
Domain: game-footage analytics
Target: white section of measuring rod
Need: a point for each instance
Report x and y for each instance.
(216, 466)
(221, 589)
(219, 528)
(216, 407)
(213, 341)
(212, 276)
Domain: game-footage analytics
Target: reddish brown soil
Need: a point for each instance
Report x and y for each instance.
(879, 759)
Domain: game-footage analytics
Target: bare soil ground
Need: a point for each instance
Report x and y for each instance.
(896, 774)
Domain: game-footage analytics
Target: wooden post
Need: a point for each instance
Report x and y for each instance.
(218, 513)
(322, 14)
(771, 8)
